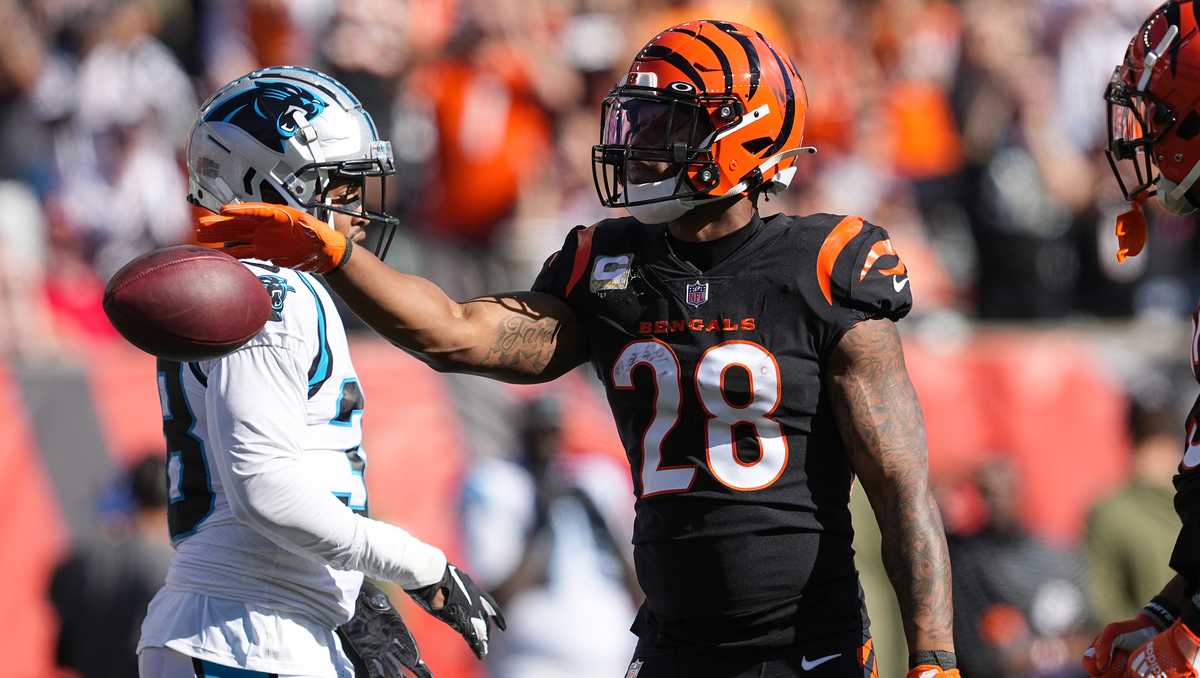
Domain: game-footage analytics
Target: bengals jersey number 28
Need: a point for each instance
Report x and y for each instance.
(715, 379)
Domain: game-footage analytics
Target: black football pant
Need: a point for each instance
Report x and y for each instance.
(814, 660)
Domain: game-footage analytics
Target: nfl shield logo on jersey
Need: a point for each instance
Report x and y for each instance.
(697, 293)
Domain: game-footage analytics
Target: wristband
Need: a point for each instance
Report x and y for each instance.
(345, 255)
(941, 658)
(1161, 611)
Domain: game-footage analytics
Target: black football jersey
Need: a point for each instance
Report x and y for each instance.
(1185, 558)
(716, 383)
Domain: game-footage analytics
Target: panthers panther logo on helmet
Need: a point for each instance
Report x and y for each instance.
(289, 135)
(265, 112)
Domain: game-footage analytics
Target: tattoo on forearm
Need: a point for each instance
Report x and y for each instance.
(523, 342)
(520, 337)
(919, 567)
(881, 423)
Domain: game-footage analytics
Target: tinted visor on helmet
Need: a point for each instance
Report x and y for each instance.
(1136, 122)
(648, 137)
(343, 187)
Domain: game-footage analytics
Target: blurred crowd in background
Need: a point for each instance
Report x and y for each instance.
(972, 129)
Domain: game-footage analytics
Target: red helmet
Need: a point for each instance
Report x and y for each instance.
(1153, 121)
(708, 110)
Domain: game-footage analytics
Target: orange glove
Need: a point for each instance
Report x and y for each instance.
(1107, 654)
(931, 671)
(281, 234)
(1174, 653)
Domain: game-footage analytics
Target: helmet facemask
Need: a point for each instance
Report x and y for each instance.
(292, 136)
(327, 177)
(1152, 121)
(708, 111)
(1137, 120)
(656, 149)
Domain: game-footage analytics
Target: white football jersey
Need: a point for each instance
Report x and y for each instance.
(236, 594)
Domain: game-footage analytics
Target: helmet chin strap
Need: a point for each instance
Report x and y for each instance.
(668, 210)
(308, 133)
(1175, 196)
(309, 137)
(770, 162)
(1154, 55)
(329, 214)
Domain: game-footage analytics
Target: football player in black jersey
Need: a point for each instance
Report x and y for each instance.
(752, 365)
(1153, 123)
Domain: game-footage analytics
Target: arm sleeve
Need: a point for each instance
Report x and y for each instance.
(256, 402)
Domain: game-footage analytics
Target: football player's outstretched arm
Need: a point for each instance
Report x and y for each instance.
(882, 426)
(256, 402)
(522, 337)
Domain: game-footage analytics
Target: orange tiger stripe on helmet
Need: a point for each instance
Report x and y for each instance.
(1153, 130)
(719, 58)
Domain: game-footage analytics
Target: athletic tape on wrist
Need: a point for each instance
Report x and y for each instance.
(945, 660)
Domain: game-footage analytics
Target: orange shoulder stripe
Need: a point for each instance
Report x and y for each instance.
(583, 254)
(834, 243)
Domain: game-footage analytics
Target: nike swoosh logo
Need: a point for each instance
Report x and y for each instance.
(898, 284)
(810, 665)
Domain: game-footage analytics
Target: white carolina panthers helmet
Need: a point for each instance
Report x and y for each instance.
(287, 135)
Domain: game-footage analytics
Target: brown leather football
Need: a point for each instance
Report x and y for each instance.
(186, 303)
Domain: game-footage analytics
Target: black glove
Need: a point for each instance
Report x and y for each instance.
(468, 609)
(377, 641)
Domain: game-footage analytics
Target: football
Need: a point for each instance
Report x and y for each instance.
(186, 303)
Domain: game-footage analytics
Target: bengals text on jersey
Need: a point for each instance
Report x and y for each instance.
(715, 379)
